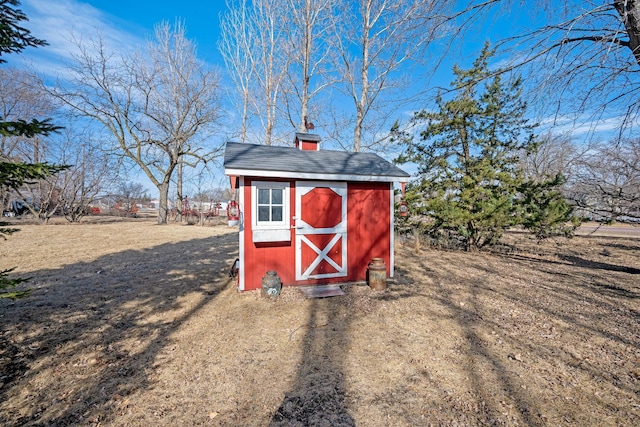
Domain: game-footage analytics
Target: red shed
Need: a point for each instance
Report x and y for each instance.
(315, 217)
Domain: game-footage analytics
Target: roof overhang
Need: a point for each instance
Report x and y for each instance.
(315, 176)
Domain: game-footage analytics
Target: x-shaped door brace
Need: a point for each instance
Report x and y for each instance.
(322, 254)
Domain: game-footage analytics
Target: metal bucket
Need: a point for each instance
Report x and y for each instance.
(377, 274)
(271, 284)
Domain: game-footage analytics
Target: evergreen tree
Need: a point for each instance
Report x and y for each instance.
(470, 182)
(545, 211)
(13, 39)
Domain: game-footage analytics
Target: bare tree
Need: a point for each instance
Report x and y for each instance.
(554, 155)
(92, 172)
(20, 96)
(184, 96)
(153, 106)
(38, 197)
(236, 46)
(607, 183)
(601, 179)
(255, 44)
(128, 195)
(308, 36)
(271, 60)
(583, 61)
(284, 54)
(70, 191)
(375, 40)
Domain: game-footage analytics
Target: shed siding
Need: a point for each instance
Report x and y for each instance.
(368, 228)
(312, 146)
(368, 236)
(262, 257)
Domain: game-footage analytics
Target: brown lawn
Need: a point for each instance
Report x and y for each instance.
(135, 324)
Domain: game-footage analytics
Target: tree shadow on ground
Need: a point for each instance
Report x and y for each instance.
(486, 373)
(581, 262)
(88, 336)
(587, 269)
(481, 361)
(318, 393)
(508, 328)
(630, 245)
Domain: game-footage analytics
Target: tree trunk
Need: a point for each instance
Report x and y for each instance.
(246, 96)
(179, 197)
(362, 102)
(306, 61)
(629, 11)
(163, 189)
(357, 131)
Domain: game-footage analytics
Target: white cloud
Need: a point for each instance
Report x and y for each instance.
(586, 127)
(60, 21)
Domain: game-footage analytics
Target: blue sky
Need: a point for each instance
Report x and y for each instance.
(125, 24)
(201, 18)
(128, 23)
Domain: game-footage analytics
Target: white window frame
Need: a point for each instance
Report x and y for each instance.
(271, 231)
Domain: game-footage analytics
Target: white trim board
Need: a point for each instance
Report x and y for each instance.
(241, 276)
(316, 176)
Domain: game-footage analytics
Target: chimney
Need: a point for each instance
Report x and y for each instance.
(307, 141)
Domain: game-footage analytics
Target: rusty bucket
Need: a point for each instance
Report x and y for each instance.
(377, 274)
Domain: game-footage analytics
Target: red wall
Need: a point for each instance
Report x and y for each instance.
(313, 146)
(262, 257)
(368, 236)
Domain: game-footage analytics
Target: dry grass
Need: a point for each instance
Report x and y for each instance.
(136, 324)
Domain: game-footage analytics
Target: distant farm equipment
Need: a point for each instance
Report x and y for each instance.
(127, 210)
(199, 212)
(188, 212)
(213, 211)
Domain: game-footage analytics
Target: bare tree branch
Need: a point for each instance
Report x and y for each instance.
(157, 106)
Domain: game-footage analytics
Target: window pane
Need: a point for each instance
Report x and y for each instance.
(276, 213)
(263, 196)
(263, 213)
(276, 196)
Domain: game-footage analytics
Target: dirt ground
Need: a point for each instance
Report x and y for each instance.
(134, 324)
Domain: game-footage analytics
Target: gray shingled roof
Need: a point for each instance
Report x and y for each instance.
(288, 162)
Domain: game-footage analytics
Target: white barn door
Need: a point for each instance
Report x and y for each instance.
(321, 230)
